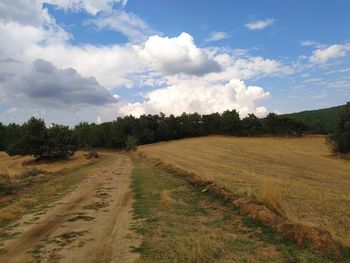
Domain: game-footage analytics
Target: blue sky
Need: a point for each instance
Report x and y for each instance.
(68, 61)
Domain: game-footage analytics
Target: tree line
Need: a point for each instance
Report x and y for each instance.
(58, 141)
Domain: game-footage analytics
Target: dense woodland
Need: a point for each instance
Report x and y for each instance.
(57, 141)
(322, 121)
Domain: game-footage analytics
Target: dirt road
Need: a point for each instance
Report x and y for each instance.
(90, 224)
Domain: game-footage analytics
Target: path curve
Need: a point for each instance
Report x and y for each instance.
(90, 224)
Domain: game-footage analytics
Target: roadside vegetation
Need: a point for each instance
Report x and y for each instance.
(182, 223)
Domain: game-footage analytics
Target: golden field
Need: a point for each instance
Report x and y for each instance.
(313, 186)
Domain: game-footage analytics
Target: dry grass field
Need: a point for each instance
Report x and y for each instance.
(16, 165)
(296, 175)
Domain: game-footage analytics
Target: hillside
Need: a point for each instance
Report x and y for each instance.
(321, 121)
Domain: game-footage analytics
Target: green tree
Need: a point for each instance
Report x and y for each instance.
(251, 125)
(34, 139)
(2, 137)
(270, 124)
(61, 142)
(341, 138)
(230, 122)
(211, 123)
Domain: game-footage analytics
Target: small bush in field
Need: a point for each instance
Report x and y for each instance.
(32, 172)
(131, 143)
(6, 186)
(92, 153)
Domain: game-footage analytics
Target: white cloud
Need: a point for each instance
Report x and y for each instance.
(261, 24)
(217, 35)
(188, 78)
(32, 12)
(22, 11)
(176, 55)
(322, 55)
(129, 24)
(309, 43)
(109, 64)
(193, 95)
(90, 6)
(247, 67)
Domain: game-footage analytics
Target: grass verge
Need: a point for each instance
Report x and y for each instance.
(182, 223)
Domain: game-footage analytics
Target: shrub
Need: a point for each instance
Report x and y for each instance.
(6, 186)
(32, 172)
(92, 153)
(131, 143)
(340, 140)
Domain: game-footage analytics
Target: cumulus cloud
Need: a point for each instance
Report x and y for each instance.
(109, 64)
(176, 55)
(129, 24)
(322, 55)
(246, 67)
(189, 95)
(187, 77)
(51, 86)
(217, 35)
(261, 24)
(22, 11)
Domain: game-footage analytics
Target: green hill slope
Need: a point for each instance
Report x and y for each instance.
(319, 121)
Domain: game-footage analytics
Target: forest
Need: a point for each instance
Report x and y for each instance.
(35, 138)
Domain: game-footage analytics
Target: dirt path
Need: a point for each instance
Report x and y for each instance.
(90, 224)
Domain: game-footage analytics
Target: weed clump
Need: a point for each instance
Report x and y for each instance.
(32, 172)
(92, 153)
(6, 185)
(271, 196)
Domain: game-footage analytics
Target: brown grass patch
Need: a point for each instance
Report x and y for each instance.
(166, 199)
(271, 196)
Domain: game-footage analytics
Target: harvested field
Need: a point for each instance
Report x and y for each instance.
(296, 175)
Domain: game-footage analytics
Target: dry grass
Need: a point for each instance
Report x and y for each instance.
(166, 198)
(271, 196)
(17, 165)
(30, 191)
(295, 176)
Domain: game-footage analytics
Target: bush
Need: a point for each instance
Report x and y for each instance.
(92, 153)
(340, 140)
(32, 172)
(6, 186)
(131, 143)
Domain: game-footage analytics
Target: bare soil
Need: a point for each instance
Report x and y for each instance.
(89, 224)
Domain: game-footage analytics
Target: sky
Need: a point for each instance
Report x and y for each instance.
(69, 61)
